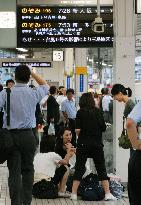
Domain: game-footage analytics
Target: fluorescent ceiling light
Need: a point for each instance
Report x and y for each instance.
(21, 56)
(94, 2)
(75, 2)
(90, 60)
(22, 49)
(7, 19)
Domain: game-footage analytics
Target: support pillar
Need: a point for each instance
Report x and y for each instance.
(69, 68)
(81, 78)
(124, 69)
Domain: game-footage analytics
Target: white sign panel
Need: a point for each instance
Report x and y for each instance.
(138, 6)
(7, 19)
(58, 56)
(138, 40)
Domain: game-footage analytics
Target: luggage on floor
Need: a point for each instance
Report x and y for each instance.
(45, 190)
(90, 189)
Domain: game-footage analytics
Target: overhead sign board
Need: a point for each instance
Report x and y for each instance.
(33, 64)
(81, 70)
(46, 26)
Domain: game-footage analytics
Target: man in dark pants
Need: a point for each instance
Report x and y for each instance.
(23, 102)
(1, 110)
(53, 114)
(68, 109)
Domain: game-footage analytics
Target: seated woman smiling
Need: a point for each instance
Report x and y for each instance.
(55, 165)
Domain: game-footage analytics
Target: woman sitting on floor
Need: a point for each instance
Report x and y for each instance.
(55, 165)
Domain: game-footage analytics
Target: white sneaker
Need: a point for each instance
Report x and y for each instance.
(64, 194)
(73, 197)
(109, 197)
(125, 195)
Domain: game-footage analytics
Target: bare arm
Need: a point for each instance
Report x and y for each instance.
(38, 78)
(77, 131)
(132, 134)
(67, 157)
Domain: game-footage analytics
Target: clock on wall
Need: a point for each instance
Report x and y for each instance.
(58, 55)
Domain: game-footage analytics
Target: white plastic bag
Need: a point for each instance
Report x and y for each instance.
(51, 129)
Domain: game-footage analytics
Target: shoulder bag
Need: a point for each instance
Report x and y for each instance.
(124, 141)
(6, 141)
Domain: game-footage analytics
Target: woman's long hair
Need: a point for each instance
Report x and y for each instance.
(87, 101)
(62, 130)
(119, 88)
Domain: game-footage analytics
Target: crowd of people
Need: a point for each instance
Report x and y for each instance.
(77, 132)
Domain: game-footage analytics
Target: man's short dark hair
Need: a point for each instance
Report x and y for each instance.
(9, 81)
(102, 91)
(70, 90)
(60, 87)
(52, 89)
(22, 74)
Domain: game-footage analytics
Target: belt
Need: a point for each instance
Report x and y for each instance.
(71, 119)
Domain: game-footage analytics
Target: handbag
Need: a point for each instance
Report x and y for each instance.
(90, 189)
(6, 141)
(45, 190)
(116, 188)
(123, 140)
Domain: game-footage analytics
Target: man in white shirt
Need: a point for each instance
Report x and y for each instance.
(106, 105)
(60, 98)
(61, 95)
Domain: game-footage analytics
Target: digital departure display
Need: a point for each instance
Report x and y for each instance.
(33, 64)
(44, 26)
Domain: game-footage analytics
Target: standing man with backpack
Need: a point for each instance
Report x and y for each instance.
(23, 102)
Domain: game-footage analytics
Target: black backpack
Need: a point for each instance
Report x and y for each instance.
(38, 115)
(90, 190)
(45, 190)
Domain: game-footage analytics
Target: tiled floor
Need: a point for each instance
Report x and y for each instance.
(5, 200)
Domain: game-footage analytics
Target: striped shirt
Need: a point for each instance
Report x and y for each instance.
(135, 114)
(68, 106)
(23, 100)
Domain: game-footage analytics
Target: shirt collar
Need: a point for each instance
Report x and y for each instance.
(70, 100)
(21, 85)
